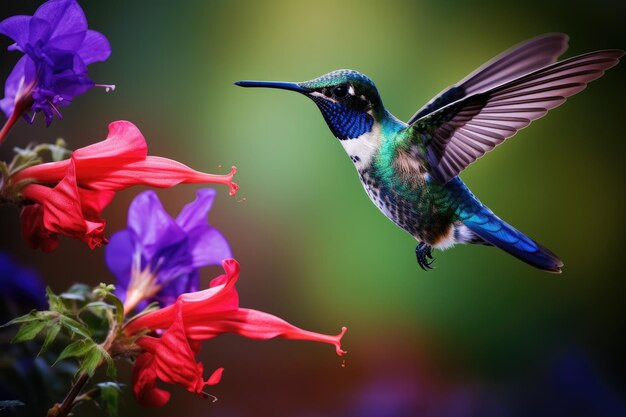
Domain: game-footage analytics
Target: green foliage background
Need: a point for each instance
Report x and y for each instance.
(313, 249)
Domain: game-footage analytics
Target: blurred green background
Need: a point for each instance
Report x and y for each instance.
(481, 335)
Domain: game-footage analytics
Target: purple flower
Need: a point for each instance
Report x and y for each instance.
(57, 47)
(21, 290)
(157, 258)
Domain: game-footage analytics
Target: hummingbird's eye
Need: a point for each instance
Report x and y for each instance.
(340, 91)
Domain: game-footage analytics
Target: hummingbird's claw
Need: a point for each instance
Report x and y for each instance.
(424, 255)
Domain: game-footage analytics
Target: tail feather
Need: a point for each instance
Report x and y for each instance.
(497, 232)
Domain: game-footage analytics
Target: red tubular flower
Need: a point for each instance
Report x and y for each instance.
(171, 359)
(196, 317)
(73, 192)
(33, 230)
(69, 210)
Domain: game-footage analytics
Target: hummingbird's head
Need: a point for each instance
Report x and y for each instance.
(348, 100)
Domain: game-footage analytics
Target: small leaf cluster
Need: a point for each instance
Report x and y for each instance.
(89, 319)
(27, 157)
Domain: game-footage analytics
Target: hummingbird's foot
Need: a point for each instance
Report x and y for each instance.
(424, 255)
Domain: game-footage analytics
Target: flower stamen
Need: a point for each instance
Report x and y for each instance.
(107, 87)
(55, 110)
(142, 284)
(207, 395)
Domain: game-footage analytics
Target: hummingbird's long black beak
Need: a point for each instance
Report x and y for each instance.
(274, 84)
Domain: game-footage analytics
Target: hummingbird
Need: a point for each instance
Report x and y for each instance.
(410, 171)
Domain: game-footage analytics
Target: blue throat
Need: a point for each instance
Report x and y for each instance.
(345, 123)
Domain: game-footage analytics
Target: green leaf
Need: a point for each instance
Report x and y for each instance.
(119, 308)
(59, 153)
(91, 361)
(55, 302)
(28, 331)
(76, 349)
(32, 316)
(23, 158)
(106, 291)
(77, 292)
(53, 331)
(75, 326)
(111, 368)
(27, 152)
(110, 397)
(97, 306)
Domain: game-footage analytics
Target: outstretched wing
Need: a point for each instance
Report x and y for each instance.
(456, 135)
(519, 60)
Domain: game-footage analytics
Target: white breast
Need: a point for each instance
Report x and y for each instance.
(363, 149)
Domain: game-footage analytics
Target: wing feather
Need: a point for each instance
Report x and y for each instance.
(459, 133)
(511, 64)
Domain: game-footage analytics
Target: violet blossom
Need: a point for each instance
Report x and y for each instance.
(157, 257)
(21, 289)
(57, 47)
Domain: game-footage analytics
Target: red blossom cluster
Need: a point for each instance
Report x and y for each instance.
(69, 195)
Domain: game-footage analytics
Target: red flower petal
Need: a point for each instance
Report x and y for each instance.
(200, 316)
(85, 184)
(254, 325)
(124, 144)
(33, 230)
(216, 311)
(144, 383)
(71, 211)
(215, 377)
(120, 162)
(174, 360)
(156, 172)
(222, 296)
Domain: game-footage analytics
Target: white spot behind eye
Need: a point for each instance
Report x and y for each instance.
(351, 90)
(318, 94)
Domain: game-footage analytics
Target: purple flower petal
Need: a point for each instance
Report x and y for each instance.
(68, 42)
(72, 86)
(196, 213)
(152, 224)
(209, 246)
(65, 16)
(60, 46)
(20, 289)
(39, 31)
(163, 243)
(16, 28)
(22, 74)
(171, 250)
(119, 259)
(172, 261)
(95, 48)
(182, 284)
